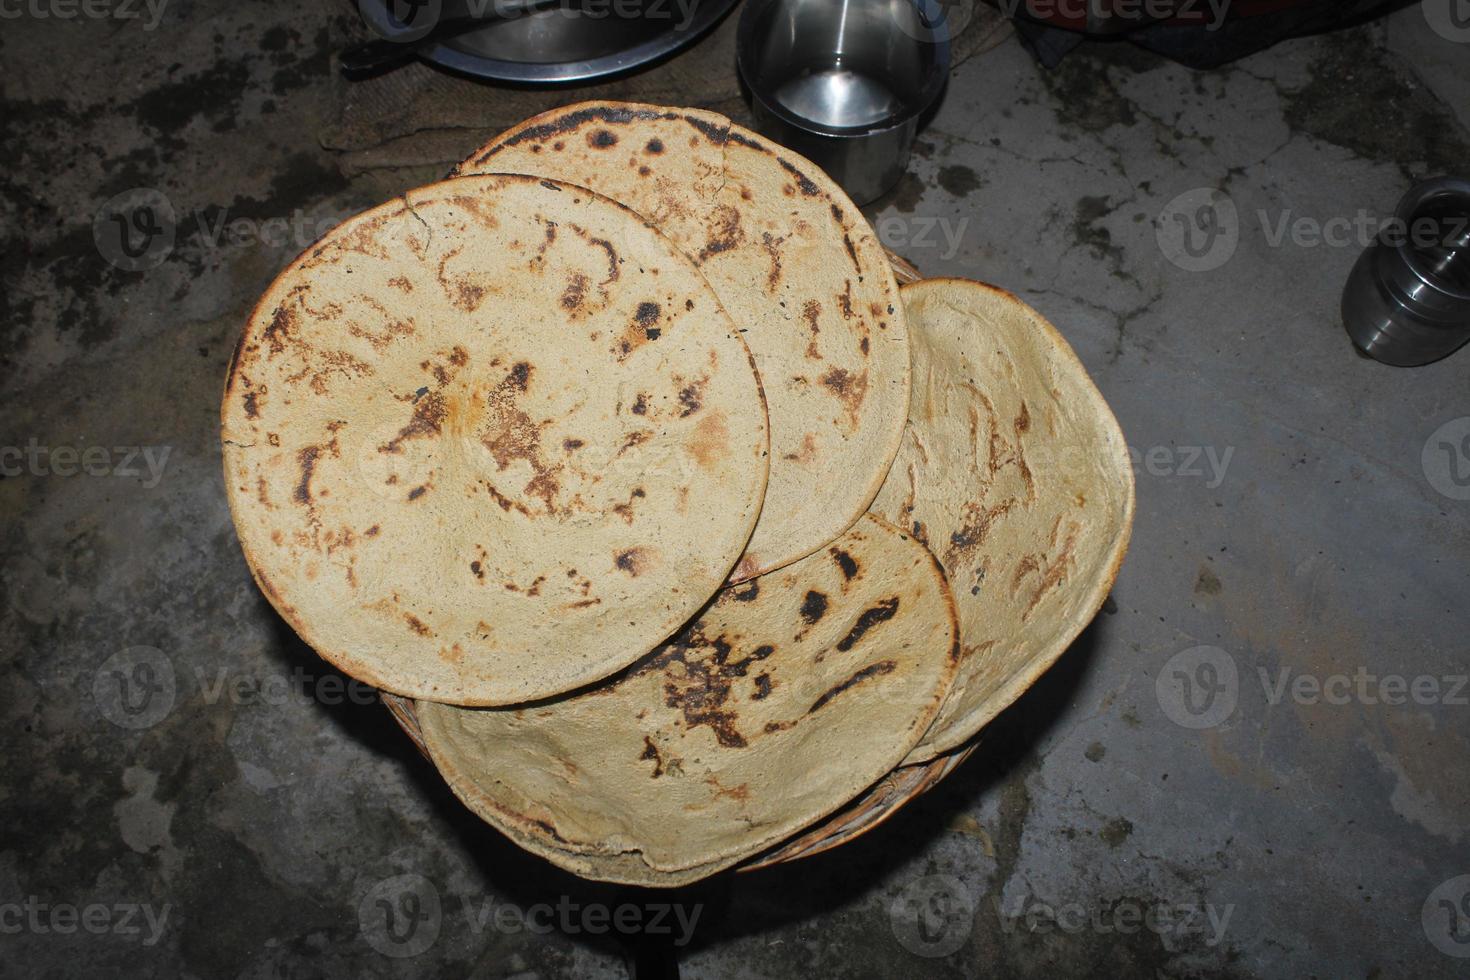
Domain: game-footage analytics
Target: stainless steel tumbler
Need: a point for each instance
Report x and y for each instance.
(844, 82)
(1407, 301)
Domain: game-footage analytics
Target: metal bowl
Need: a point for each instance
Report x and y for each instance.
(572, 40)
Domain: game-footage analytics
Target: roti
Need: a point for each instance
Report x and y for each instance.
(492, 441)
(796, 265)
(786, 698)
(1013, 469)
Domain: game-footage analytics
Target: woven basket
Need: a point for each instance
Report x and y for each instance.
(879, 803)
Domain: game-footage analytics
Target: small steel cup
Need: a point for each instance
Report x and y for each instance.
(844, 82)
(1407, 301)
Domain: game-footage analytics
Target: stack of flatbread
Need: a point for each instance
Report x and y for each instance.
(624, 456)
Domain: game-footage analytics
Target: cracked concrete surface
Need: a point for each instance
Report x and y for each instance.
(171, 747)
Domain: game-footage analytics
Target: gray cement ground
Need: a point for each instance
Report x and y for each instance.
(1256, 763)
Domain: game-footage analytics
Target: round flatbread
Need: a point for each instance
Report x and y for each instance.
(796, 265)
(492, 441)
(1015, 472)
(786, 698)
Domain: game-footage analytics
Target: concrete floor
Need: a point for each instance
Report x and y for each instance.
(1297, 519)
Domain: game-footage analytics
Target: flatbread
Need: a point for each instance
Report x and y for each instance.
(794, 262)
(785, 699)
(492, 441)
(1013, 469)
